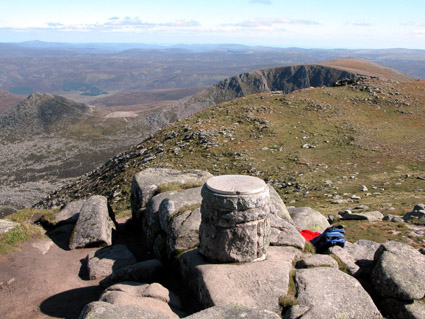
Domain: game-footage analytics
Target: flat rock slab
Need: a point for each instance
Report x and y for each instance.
(255, 284)
(399, 271)
(148, 271)
(329, 293)
(154, 290)
(70, 212)
(94, 226)
(310, 261)
(308, 218)
(105, 310)
(145, 183)
(153, 297)
(369, 216)
(7, 225)
(357, 257)
(105, 261)
(233, 311)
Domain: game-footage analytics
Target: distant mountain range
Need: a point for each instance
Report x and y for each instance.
(85, 72)
(50, 139)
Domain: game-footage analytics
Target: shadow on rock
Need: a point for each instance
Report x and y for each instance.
(70, 303)
(61, 235)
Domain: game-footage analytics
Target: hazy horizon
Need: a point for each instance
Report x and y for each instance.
(284, 24)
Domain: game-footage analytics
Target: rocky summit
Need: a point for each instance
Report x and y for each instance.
(271, 272)
(203, 218)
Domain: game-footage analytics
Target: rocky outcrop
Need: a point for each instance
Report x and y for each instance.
(254, 284)
(399, 272)
(329, 293)
(70, 212)
(308, 218)
(95, 224)
(358, 258)
(179, 217)
(285, 79)
(105, 261)
(43, 113)
(145, 184)
(171, 221)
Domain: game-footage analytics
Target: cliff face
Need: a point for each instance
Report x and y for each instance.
(285, 79)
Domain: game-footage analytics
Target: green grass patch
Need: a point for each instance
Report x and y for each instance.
(309, 248)
(11, 240)
(23, 215)
(290, 298)
(123, 213)
(341, 265)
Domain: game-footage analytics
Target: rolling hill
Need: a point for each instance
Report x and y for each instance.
(8, 100)
(315, 146)
(55, 139)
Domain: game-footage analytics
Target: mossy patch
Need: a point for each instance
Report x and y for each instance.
(26, 214)
(11, 240)
(176, 186)
(341, 265)
(309, 248)
(290, 298)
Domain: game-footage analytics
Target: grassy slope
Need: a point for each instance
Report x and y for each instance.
(370, 134)
(364, 67)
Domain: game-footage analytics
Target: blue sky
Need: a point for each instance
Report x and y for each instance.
(304, 23)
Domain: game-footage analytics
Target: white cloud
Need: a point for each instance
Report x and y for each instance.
(420, 33)
(361, 24)
(269, 23)
(416, 24)
(114, 24)
(261, 1)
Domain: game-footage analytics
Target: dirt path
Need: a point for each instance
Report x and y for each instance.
(42, 280)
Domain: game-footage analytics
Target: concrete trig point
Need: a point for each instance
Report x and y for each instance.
(235, 225)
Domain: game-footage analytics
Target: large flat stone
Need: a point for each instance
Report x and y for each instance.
(326, 292)
(399, 271)
(105, 261)
(369, 216)
(254, 285)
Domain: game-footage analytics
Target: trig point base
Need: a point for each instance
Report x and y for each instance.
(235, 225)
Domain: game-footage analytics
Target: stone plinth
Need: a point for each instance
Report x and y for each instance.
(235, 224)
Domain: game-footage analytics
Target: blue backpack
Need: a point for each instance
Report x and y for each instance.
(332, 236)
